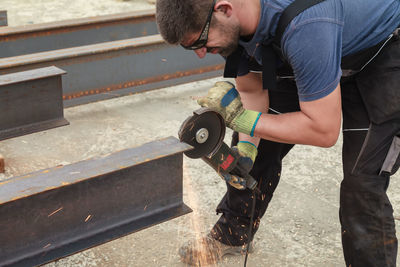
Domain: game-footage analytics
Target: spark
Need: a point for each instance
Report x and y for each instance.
(54, 212)
(88, 218)
(201, 254)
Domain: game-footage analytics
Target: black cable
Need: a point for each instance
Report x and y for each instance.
(250, 233)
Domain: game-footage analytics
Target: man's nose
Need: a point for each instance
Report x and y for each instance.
(201, 52)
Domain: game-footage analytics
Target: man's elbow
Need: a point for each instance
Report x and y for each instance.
(328, 139)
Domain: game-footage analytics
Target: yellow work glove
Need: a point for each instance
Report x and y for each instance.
(224, 98)
(248, 150)
(248, 153)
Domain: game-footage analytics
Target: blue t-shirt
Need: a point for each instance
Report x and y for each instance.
(316, 40)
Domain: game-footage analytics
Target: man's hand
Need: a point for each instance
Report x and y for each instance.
(225, 99)
(247, 150)
(247, 153)
(234, 180)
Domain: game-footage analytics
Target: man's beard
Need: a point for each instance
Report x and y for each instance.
(232, 34)
(229, 49)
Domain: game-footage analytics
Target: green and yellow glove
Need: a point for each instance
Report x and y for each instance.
(248, 150)
(248, 153)
(224, 98)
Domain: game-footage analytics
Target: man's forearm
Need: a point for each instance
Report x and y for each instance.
(293, 128)
(253, 97)
(245, 110)
(318, 123)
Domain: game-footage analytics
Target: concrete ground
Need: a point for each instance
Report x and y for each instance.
(300, 228)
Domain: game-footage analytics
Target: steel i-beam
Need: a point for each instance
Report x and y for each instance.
(31, 101)
(3, 18)
(111, 69)
(28, 39)
(56, 212)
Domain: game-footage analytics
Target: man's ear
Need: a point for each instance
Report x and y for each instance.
(224, 7)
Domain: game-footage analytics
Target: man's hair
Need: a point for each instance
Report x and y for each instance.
(176, 18)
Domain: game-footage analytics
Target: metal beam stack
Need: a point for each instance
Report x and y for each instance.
(56, 212)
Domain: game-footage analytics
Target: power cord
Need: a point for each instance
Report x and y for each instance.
(250, 233)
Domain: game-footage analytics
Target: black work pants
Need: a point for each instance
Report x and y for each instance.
(371, 125)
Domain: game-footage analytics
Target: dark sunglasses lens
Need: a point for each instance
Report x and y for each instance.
(199, 45)
(196, 45)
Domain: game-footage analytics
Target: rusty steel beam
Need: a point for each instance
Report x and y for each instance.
(3, 18)
(56, 212)
(2, 164)
(31, 101)
(27, 39)
(111, 69)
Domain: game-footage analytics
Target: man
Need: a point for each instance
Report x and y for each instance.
(338, 58)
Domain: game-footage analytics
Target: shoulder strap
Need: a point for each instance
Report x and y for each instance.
(269, 54)
(294, 9)
(232, 63)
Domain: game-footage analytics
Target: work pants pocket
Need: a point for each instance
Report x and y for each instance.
(392, 160)
(380, 151)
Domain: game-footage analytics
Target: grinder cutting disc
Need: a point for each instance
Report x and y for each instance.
(204, 130)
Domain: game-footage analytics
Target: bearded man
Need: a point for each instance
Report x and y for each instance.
(300, 66)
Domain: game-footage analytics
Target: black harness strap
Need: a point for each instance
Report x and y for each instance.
(294, 9)
(232, 63)
(269, 54)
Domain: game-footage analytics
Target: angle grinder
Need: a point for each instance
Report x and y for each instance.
(205, 131)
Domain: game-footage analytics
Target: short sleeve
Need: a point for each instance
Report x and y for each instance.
(313, 49)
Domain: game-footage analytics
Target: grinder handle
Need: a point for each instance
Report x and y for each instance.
(251, 183)
(226, 160)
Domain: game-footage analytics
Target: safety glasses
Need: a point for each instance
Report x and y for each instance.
(203, 38)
